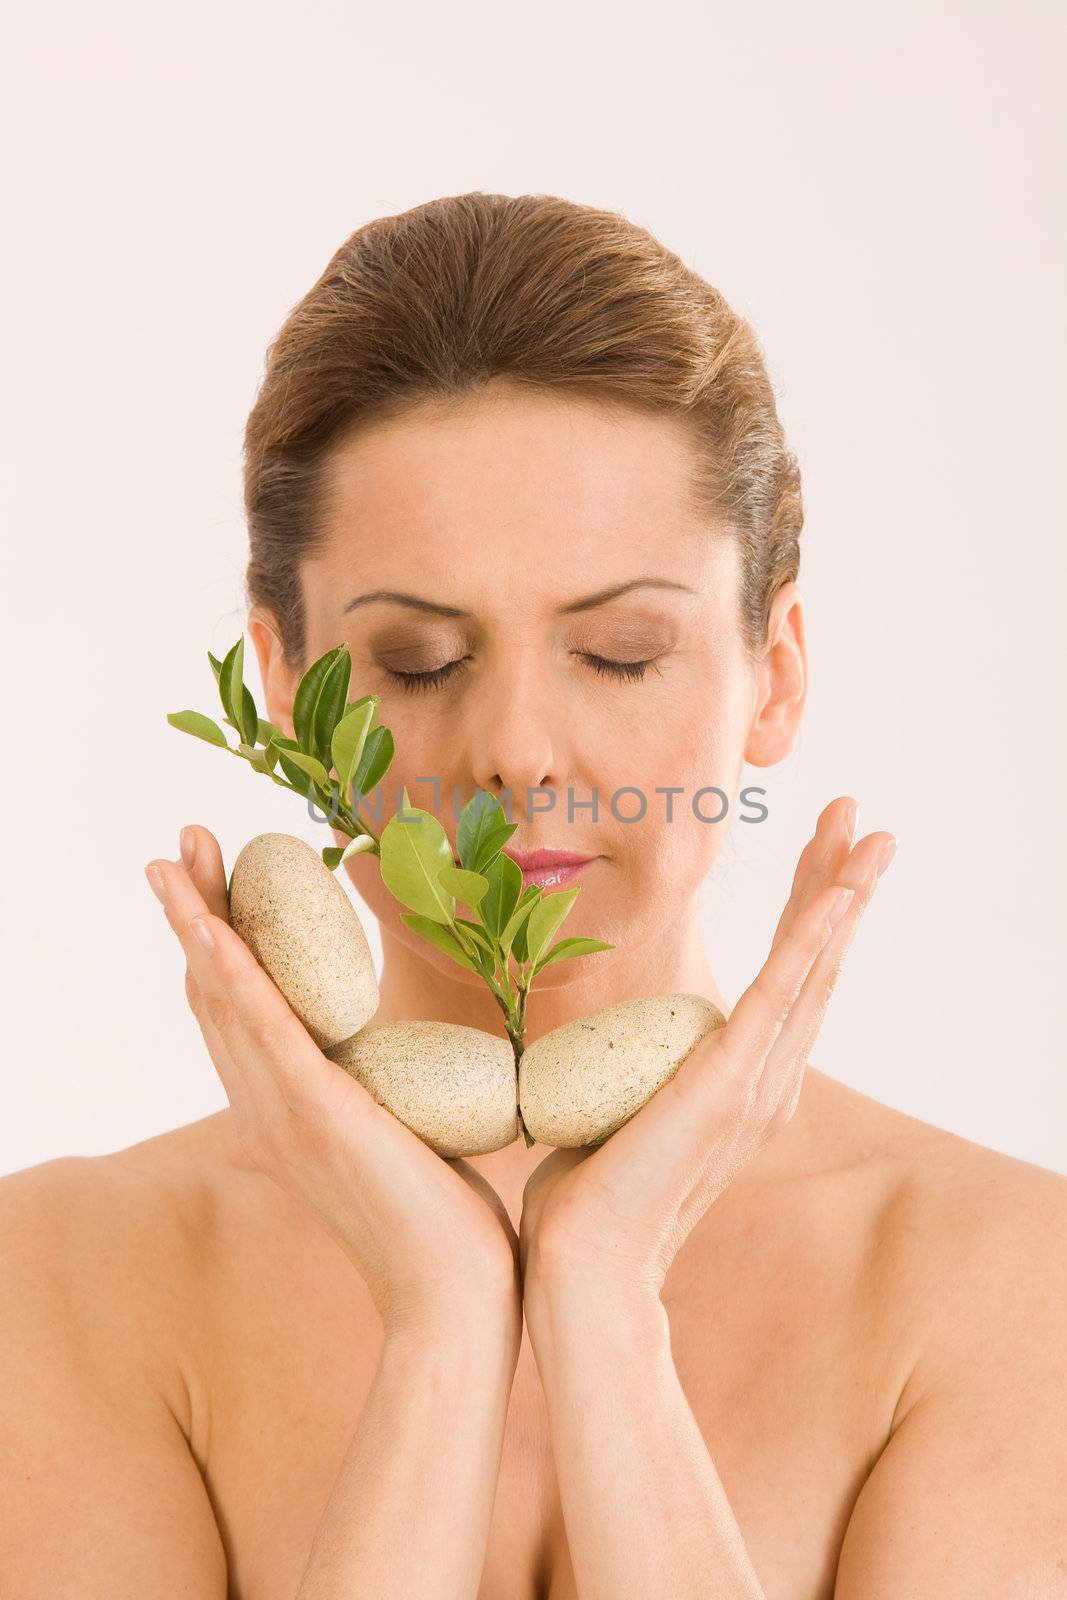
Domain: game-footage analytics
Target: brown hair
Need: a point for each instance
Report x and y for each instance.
(431, 304)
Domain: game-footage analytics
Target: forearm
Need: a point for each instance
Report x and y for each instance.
(411, 1507)
(644, 1508)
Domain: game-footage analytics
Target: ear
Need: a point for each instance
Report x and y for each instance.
(781, 682)
(280, 681)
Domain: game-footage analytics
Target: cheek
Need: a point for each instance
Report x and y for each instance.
(426, 771)
(693, 746)
(689, 743)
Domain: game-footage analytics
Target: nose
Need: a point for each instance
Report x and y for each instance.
(513, 733)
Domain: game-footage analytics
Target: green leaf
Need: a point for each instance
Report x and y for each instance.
(517, 918)
(531, 895)
(492, 845)
(314, 769)
(546, 918)
(474, 822)
(331, 854)
(505, 887)
(437, 935)
(286, 783)
(196, 722)
(374, 762)
(300, 780)
(216, 665)
(412, 854)
(330, 705)
(281, 748)
(307, 694)
(255, 758)
(249, 716)
(236, 697)
(478, 934)
(229, 680)
(481, 831)
(470, 887)
(570, 947)
(348, 740)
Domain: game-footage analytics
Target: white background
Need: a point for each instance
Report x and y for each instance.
(876, 188)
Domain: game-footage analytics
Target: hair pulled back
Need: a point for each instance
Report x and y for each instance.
(546, 293)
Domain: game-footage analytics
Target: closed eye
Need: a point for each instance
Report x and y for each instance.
(414, 682)
(632, 671)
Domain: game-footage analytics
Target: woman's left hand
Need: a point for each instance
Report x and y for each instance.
(615, 1215)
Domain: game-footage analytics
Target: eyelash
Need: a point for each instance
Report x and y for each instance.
(412, 682)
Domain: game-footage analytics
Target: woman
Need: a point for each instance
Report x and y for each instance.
(772, 1338)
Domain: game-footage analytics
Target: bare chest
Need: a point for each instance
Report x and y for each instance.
(791, 1379)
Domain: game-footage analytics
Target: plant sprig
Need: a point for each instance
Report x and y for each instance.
(340, 749)
(340, 753)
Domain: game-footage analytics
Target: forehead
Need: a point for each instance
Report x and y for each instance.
(537, 485)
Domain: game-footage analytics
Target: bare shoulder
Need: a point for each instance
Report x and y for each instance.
(971, 1243)
(968, 1303)
(115, 1241)
(100, 1473)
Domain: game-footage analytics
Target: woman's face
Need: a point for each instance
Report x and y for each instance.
(511, 519)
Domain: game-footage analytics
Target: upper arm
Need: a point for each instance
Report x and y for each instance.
(969, 1496)
(966, 1499)
(99, 1491)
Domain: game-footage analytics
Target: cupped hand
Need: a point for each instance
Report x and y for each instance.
(617, 1214)
(429, 1235)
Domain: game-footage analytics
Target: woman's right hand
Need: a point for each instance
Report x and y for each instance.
(430, 1237)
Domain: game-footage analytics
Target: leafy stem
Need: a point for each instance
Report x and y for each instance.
(340, 751)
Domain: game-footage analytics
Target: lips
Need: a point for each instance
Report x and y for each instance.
(538, 860)
(549, 869)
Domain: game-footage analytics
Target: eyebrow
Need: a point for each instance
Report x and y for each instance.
(586, 603)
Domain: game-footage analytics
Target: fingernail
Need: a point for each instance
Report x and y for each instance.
(839, 906)
(203, 933)
(187, 840)
(889, 850)
(155, 881)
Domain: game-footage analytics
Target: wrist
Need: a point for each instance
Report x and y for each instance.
(596, 1308)
(482, 1325)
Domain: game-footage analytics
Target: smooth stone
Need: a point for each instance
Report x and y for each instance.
(582, 1081)
(452, 1085)
(300, 925)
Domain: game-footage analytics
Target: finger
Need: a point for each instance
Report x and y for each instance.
(821, 861)
(267, 1044)
(233, 1081)
(733, 1058)
(762, 1011)
(784, 1070)
(202, 859)
(182, 903)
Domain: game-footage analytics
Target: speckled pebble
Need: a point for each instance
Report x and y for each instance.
(452, 1085)
(580, 1082)
(299, 923)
